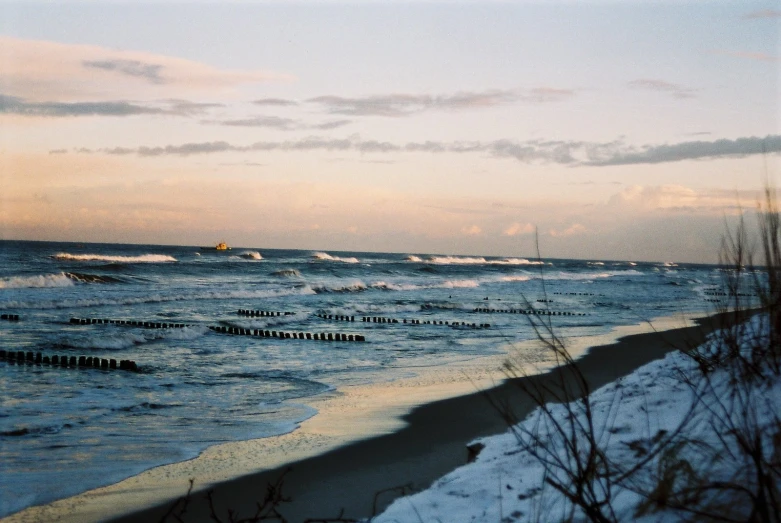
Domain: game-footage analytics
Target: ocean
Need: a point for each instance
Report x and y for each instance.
(236, 342)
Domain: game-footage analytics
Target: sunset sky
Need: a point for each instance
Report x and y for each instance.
(626, 130)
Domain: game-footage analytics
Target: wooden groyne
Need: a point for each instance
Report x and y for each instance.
(286, 335)
(263, 314)
(533, 312)
(381, 319)
(130, 323)
(64, 361)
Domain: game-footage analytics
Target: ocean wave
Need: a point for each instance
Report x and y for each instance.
(590, 275)
(251, 255)
(413, 258)
(595, 263)
(44, 280)
(101, 339)
(324, 256)
(287, 273)
(144, 258)
(457, 260)
(514, 278)
(155, 298)
(385, 286)
(91, 278)
(24, 431)
(355, 286)
(457, 284)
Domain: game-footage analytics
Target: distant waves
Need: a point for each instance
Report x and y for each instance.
(144, 258)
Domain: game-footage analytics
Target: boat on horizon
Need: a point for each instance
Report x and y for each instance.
(222, 246)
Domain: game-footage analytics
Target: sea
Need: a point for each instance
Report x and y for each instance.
(219, 339)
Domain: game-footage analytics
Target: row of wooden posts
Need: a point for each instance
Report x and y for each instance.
(538, 312)
(322, 336)
(132, 323)
(380, 319)
(247, 312)
(9, 317)
(36, 358)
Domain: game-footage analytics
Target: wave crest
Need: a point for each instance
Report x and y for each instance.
(413, 258)
(458, 260)
(324, 256)
(43, 280)
(144, 258)
(251, 255)
(357, 286)
(287, 273)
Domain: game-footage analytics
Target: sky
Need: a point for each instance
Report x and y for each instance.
(618, 130)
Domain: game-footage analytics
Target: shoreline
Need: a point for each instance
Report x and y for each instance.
(363, 440)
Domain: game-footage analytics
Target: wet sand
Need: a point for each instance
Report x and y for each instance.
(364, 444)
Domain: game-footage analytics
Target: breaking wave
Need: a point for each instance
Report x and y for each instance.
(91, 278)
(251, 255)
(356, 286)
(44, 280)
(324, 256)
(413, 258)
(287, 273)
(514, 278)
(63, 279)
(155, 298)
(144, 258)
(456, 260)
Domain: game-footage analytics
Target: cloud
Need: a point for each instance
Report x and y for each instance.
(677, 198)
(518, 229)
(574, 229)
(694, 150)
(135, 68)
(396, 105)
(39, 70)
(18, 106)
(333, 124)
(279, 123)
(573, 153)
(674, 90)
(548, 94)
(274, 122)
(275, 101)
(762, 57)
(472, 230)
(14, 105)
(767, 13)
(186, 108)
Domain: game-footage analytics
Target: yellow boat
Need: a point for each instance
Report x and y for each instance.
(222, 246)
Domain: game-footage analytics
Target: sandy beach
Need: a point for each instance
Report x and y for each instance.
(364, 440)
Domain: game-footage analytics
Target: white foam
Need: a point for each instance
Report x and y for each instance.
(514, 278)
(413, 258)
(144, 258)
(386, 286)
(589, 275)
(458, 284)
(251, 255)
(155, 298)
(456, 260)
(324, 256)
(43, 280)
(353, 286)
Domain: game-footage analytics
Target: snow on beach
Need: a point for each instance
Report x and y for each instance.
(633, 416)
